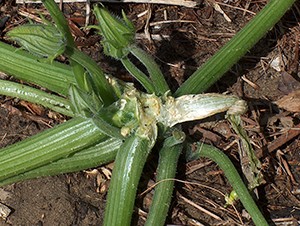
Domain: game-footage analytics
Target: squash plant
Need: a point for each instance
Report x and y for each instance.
(111, 119)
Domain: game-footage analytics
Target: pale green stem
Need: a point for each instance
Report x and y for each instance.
(138, 75)
(36, 96)
(155, 73)
(166, 171)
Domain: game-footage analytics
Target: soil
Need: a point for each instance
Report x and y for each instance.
(77, 199)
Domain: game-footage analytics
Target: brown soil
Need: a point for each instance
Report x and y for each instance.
(76, 199)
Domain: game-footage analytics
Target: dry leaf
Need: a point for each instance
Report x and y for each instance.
(290, 102)
(288, 83)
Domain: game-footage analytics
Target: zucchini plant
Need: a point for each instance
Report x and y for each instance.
(111, 119)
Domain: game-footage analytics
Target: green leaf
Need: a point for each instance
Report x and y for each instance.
(43, 40)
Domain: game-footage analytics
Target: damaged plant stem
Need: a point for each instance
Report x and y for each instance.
(112, 119)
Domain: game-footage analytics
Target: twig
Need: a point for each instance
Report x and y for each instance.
(200, 208)
(185, 3)
(182, 181)
(284, 138)
(29, 15)
(220, 10)
(156, 37)
(238, 8)
(285, 166)
(281, 140)
(249, 82)
(148, 17)
(170, 21)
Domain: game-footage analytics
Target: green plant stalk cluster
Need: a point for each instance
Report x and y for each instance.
(75, 136)
(103, 152)
(138, 75)
(79, 60)
(156, 76)
(48, 146)
(101, 86)
(118, 42)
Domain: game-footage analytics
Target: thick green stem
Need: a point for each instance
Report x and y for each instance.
(237, 47)
(36, 96)
(155, 73)
(92, 157)
(59, 20)
(208, 151)
(167, 166)
(100, 83)
(22, 65)
(127, 171)
(138, 75)
(48, 146)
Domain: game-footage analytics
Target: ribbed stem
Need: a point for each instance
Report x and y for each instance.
(167, 166)
(101, 86)
(237, 47)
(233, 177)
(48, 146)
(59, 20)
(138, 75)
(101, 153)
(126, 174)
(23, 65)
(155, 73)
(36, 96)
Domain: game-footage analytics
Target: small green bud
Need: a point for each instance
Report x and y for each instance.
(43, 40)
(231, 198)
(117, 33)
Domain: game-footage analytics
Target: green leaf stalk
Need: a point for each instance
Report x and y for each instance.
(236, 48)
